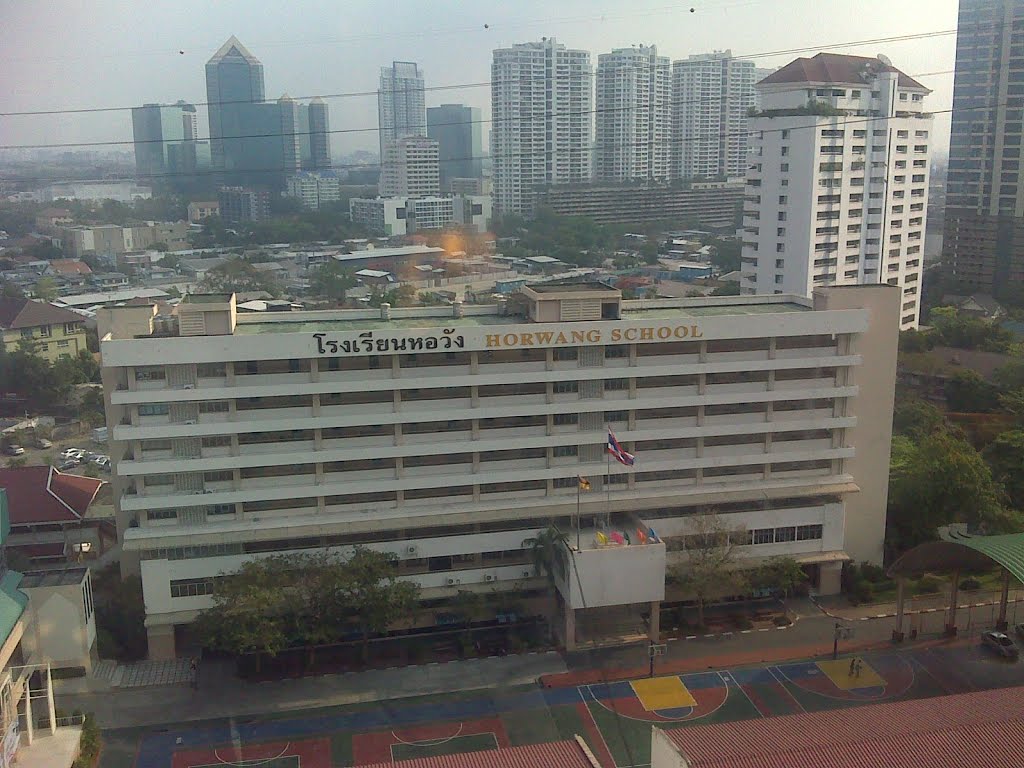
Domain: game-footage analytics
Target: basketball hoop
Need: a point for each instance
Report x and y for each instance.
(657, 649)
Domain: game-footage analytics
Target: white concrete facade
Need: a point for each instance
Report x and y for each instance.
(410, 168)
(452, 439)
(393, 216)
(711, 94)
(313, 189)
(541, 97)
(838, 199)
(633, 115)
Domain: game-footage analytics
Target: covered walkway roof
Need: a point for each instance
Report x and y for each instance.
(957, 549)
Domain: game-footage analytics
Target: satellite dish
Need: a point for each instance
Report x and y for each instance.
(884, 59)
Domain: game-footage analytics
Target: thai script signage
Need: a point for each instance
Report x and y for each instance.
(515, 337)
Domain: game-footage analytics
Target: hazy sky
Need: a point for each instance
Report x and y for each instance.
(69, 54)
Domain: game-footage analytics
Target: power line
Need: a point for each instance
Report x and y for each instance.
(485, 83)
(854, 120)
(547, 115)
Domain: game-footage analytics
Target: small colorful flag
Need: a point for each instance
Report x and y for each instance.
(584, 483)
(618, 451)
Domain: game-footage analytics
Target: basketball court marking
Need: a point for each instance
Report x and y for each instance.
(432, 742)
(838, 671)
(782, 685)
(662, 693)
(405, 753)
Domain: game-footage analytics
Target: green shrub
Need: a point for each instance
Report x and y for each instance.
(970, 584)
(862, 591)
(872, 573)
(739, 621)
(90, 745)
(928, 584)
(782, 621)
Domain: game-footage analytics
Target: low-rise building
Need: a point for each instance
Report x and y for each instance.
(396, 216)
(54, 331)
(450, 436)
(95, 191)
(199, 210)
(50, 219)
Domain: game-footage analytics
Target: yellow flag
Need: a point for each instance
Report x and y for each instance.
(584, 483)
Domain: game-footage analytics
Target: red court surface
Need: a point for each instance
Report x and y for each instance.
(369, 748)
(307, 753)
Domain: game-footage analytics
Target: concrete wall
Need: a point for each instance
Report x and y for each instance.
(615, 576)
(58, 627)
(664, 753)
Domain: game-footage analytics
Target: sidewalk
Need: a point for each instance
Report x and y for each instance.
(839, 607)
(223, 695)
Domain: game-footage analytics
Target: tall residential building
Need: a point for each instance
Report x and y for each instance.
(241, 204)
(711, 96)
(410, 168)
(451, 443)
(234, 79)
(838, 194)
(541, 96)
(401, 110)
(633, 115)
(983, 239)
(456, 128)
(165, 141)
(319, 135)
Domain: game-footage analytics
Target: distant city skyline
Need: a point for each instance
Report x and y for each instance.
(65, 58)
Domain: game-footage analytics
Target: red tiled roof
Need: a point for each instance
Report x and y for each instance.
(835, 68)
(46, 495)
(41, 551)
(70, 267)
(24, 313)
(961, 731)
(559, 754)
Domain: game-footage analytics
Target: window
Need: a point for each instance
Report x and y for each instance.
(565, 450)
(161, 514)
(45, 331)
(150, 373)
(192, 587)
(72, 328)
(564, 387)
(154, 409)
(784, 167)
(63, 343)
(808, 532)
(787, 533)
(762, 536)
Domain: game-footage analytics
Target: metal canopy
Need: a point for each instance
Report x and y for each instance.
(959, 550)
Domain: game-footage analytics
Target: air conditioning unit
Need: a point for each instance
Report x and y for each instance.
(488, 577)
(527, 574)
(450, 581)
(189, 422)
(189, 386)
(411, 549)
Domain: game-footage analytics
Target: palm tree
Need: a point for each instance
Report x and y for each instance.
(548, 550)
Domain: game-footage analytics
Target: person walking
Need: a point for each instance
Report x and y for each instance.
(193, 668)
(853, 665)
(860, 665)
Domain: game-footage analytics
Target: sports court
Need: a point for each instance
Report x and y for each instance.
(614, 718)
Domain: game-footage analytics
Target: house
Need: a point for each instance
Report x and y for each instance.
(55, 331)
(197, 268)
(109, 281)
(271, 269)
(375, 277)
(979, 305)
(49, 516)
(72, 270)
(50, 218)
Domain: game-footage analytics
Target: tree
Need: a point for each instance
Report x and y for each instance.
(170, 261)
(913, 416)
(1009, 377)
(938, 479)
(915, 341)
(333, 281)
(45, 289)
(709, 569)
(549, 551)
(782, 575)
(11, 290)
(238, 276)
(44, 250)
(161, 246)
(374, 595)
(968, 392)
(729, 289)
(649, 251)
(120, 615)
(1005, 455)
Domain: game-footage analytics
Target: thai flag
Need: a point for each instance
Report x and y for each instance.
(618, 452)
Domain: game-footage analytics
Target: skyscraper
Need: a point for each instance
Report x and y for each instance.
(409, 168)
(159, 131)
(832, 199)
(319, 135)
(456, 128)
(634, 113)
(711, 95)
(234, 80)
(983, 237)
(541, 96)
(400, 106)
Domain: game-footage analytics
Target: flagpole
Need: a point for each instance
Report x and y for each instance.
(579, 490)
(608, 486)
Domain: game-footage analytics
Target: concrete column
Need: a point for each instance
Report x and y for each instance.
(29, 724)
(1003, 599)
(951, 616)
(50, 708)
(160, 640)
(654, 625)
(897, 633)
(570, 627)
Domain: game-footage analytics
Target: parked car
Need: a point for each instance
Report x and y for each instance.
(103, 462)
(66, 465)
(43, 443)
(14, 450)
(71, 452)
(1000, 643)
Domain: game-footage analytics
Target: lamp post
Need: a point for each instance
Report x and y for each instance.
(835, 640)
